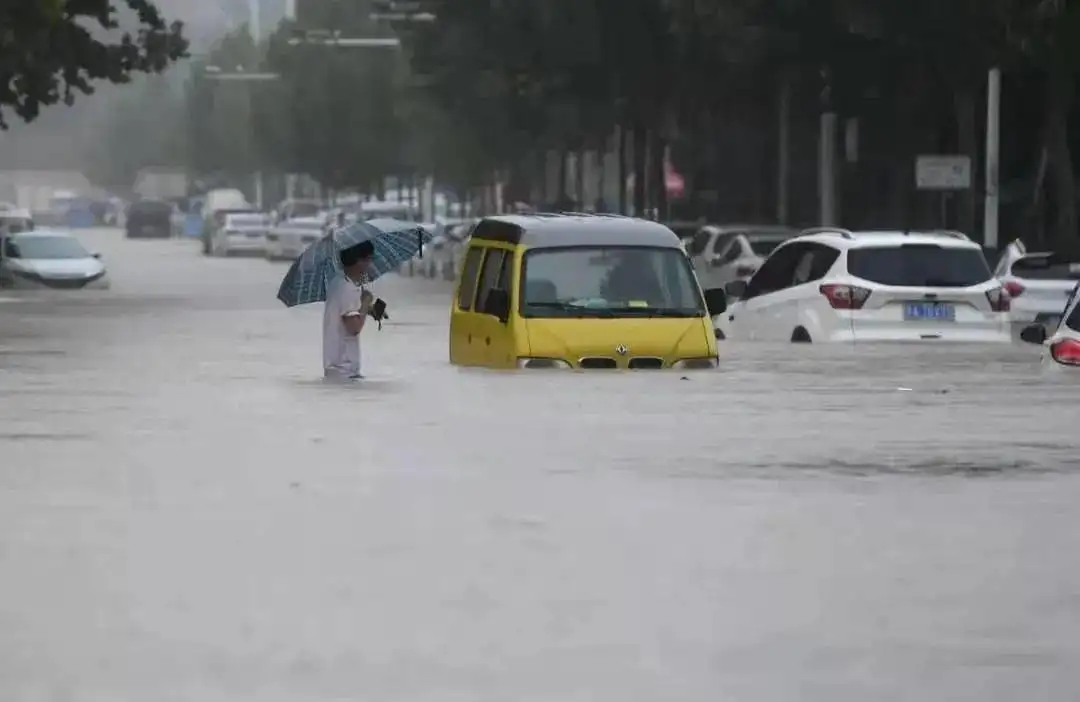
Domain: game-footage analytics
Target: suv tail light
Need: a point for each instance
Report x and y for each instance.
(745, 271)
(999, 298)
(1066, 352)
(1014, 289)
(845, 297)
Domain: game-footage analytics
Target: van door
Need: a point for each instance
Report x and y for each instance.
(462, 317)
(502, 351)
(490, 339)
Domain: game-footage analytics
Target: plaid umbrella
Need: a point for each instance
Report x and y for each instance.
(395, 243)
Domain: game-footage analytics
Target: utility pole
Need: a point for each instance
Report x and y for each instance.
(993, 157)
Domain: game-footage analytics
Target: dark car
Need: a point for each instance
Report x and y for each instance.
(149, 219)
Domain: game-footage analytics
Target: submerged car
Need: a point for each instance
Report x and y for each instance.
(581, 292)
(835, 285)
(49, 259)
(1062, 348)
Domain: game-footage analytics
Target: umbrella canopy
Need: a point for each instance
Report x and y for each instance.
(395, 243)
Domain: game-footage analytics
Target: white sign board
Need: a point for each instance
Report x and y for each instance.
(942, 172)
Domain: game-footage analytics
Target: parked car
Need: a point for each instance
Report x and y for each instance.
(288, 239)
(582, 292)
(1062, 348)
(215, 205)
(833, 285)
(49, 259)
(15, 220)
(151, 219)
(1037, 283)
(721, 254)
(241, 233)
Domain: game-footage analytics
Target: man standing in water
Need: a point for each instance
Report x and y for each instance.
(347, 305)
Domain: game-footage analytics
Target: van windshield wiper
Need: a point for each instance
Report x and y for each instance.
(579, 310)
(660, 311)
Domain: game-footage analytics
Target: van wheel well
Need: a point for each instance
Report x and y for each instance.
(800, 336)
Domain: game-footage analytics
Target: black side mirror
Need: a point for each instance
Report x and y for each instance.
(497, 304)
(1033, 334)
(735, 289)
(715, 301)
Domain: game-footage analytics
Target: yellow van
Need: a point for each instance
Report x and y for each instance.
(580, 291)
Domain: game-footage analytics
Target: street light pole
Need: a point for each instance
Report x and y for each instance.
(254, 26)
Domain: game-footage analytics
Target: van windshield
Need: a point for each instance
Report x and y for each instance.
(614, 281)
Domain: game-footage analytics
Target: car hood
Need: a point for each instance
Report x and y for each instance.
(59, 267)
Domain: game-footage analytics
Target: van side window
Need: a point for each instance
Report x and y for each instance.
(506, 275)
(467, 290)
(489, 276)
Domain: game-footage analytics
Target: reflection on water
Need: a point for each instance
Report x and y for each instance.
(188, 512)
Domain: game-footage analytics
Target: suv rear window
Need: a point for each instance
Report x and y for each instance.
(919, 265)
(1047, 267)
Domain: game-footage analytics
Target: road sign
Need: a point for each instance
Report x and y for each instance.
(935, 172)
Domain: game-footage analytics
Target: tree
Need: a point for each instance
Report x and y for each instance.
(334, 112)
(48, 51)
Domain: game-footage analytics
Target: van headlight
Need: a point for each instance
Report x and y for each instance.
(696, 363)
(542, 363)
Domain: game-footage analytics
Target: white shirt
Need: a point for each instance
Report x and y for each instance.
(341, 350)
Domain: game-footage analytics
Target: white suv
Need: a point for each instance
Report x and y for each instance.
(1038, 283)
(836, 285)
(1063, 347)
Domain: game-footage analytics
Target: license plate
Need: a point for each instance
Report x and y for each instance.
(929, 311)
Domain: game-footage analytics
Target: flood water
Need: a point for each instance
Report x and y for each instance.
(187, 513)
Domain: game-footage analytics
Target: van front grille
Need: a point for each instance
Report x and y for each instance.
(597, 362)
(646, 362)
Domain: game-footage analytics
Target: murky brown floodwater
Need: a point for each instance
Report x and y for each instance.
(188, 514)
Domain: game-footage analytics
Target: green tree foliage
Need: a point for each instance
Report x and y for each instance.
(335, 112)
(52, 49)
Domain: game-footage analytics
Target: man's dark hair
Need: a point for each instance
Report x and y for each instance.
(355, 254)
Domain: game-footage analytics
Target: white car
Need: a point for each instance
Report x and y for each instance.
(721, 254)
(1063, 347)
(834, 285)
(49, 259)
(288, 239)
(1038, 283)
(241, 233)
(16, 220)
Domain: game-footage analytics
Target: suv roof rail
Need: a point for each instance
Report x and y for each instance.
(838, 231)
(953, 234)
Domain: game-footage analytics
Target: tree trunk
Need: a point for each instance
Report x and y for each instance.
(640, 146)
(964, 102)
(657, 149)
(623, 170)
(1058, 101)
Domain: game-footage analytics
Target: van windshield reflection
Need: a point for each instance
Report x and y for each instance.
(609, 282)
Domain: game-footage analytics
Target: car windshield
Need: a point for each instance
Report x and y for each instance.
(765, 244)
(246, 221)
(46, 247)
(304, 209)
(151, 207)
(1046, 267)
(609, 282)
(919, 265)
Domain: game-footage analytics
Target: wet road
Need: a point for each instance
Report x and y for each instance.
(187, 513)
